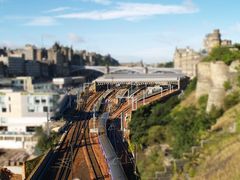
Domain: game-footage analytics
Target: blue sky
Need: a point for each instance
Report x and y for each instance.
(130, 31)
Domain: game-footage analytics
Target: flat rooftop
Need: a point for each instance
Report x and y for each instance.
(12, 156)
(140, 77)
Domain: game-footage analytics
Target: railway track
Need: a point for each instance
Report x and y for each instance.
(91, 155)
(68, 158)
(60, 163)
(126, 107)
(95, 169)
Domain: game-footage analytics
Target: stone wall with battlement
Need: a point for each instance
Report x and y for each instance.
(211, 78)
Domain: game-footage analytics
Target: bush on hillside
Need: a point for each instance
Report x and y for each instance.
(148, 116)
(224, 54)
(227, 85)
(231, 99)
(44, 142)
(191, 87)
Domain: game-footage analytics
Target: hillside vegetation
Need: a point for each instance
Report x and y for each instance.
(180, 138)
(225, 54)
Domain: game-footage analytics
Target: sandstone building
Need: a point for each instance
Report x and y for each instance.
(187, 59)
(213, 40)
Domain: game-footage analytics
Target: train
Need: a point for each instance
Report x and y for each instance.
(114, 165)
(102, 100)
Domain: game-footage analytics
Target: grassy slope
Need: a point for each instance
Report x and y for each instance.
(221, 154)
(221, 158)
(228, 118)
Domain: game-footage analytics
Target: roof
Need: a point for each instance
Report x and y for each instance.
(158, 77)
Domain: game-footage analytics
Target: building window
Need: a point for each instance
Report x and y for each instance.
(44, 101)
(21, 81)
(9, 138)
(18, 139)
(45, 109)
(9, 98)
(27, 138)
(4, 110)
(30, 128)
(37, 101)
(3, 128)
(30, 109)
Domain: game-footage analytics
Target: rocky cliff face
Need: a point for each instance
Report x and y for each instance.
(211, 78)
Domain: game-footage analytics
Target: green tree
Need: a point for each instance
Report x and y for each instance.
(185, 128)
(156, 134)
(44, 142)
(224, 54)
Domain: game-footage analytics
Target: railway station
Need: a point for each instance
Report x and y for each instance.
(162, 79)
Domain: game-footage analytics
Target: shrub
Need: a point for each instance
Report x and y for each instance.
(224, 54)
(44, 142)
(227, 85)
(155, 135)
(231, 99)
(191, 87)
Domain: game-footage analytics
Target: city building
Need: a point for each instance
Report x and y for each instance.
(23, 107)
(187, 60)
(15, 65)
(30, 52)
(68, 81)
(214, 39)
(23, 84)
(1, 69)
(32, 68)
(44, 69)
(21, 112)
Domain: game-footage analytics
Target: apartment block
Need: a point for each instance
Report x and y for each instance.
(15, 65)
(21, 112)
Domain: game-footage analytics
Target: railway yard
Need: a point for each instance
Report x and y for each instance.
(95, 145)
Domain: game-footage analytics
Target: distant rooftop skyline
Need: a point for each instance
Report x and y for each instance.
(130, 31)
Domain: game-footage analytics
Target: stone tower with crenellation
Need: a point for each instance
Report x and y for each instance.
(213, 40)
(187, 59)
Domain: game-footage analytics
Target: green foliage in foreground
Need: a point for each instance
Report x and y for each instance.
(224, 54)
(182, 128)
(150, 162)
(162, 123)
(44, 142)
(30, 165)
(191, 87)
(147, 117)
(231, 99)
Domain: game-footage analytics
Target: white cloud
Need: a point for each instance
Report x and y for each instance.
(130, 11)
(74, 38)
(103, 2)
(58, 9)
(42, 21)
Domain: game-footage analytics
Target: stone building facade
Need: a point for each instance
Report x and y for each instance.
(186, 60)
(214, 39)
